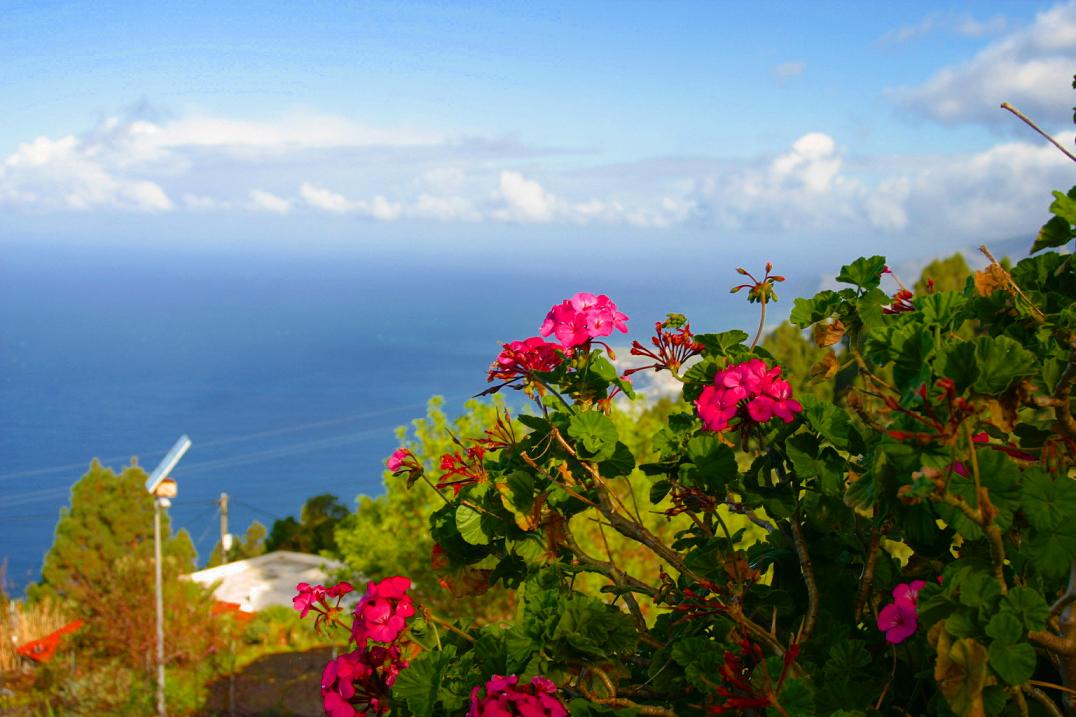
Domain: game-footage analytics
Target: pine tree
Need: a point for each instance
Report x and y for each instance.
(110, 518)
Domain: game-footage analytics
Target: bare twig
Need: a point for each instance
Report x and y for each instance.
(808, 577)
(1043, 699)
(866, 580)
(1026, 120)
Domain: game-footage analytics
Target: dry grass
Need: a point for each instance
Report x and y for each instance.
(20, 623)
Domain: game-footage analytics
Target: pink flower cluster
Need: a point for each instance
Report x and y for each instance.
(316, 598)
(382, 611)
(749, 391)
(519, 359)
(583, 317)
(900, 618)
(505, 697)
(358, 682)
(404, 462)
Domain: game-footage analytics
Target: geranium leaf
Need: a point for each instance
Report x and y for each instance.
(866, 273)
(1014, 663)
(595, 432)
(469, 523)
(1000, 360)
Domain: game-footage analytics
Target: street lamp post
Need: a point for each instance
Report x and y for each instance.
(163, 489)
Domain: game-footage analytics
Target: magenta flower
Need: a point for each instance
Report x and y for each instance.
(583, 317)
(396, 460)
(505, 697)
(308, 597)
(898, 620)
(749, 391)
(382, 612)
(909, 591)
(357, 683)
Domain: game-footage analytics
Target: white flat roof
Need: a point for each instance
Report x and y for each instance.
(269, 579)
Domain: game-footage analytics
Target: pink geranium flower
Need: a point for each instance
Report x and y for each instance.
(357, 682)
(382, 612)
(583, 317)
(396, 460)
(909, 591)
(505, 697)
(898, 620)
(747, 390)
(308, 597)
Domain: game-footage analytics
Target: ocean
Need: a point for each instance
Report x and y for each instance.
(288, 367)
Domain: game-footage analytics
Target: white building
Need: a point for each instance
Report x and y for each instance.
(268, 579)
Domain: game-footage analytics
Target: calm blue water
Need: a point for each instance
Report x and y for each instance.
(289, 368)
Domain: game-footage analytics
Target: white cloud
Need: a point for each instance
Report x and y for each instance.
(788, 70)
(525, 199)
(323, 199)
(934, 200)
(444, 208)
(1031, 68)
(266, 202)
(297, 130)
(68, 174)
(329, 201)
(200, 203)
(965, 25)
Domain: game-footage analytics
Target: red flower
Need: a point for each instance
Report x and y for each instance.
(674, 344)
(519, 359)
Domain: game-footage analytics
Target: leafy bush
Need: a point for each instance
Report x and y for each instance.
(917, 530)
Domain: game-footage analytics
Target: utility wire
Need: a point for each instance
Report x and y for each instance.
(234, 439)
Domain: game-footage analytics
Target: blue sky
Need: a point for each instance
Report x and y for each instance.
(834, 122)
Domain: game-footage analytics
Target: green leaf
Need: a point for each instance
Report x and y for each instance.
(420, 683)
(715, 462)
(1064, 206)
(809, 311)
(1055, 232)
(1000, 360)
(796, 698)
(957, 361)
(827, 420)
(979, 589)
(1047, 503)
(603, 368)
(720, 344)
(961, 624)
(1051, 551)
(595, 432)
(521, 490)
(1014, 663)
(1027, 606)
(866, 273)
(621, 463)
(469, 523)
(659, 490)
(942, 308)
(1005, 628)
